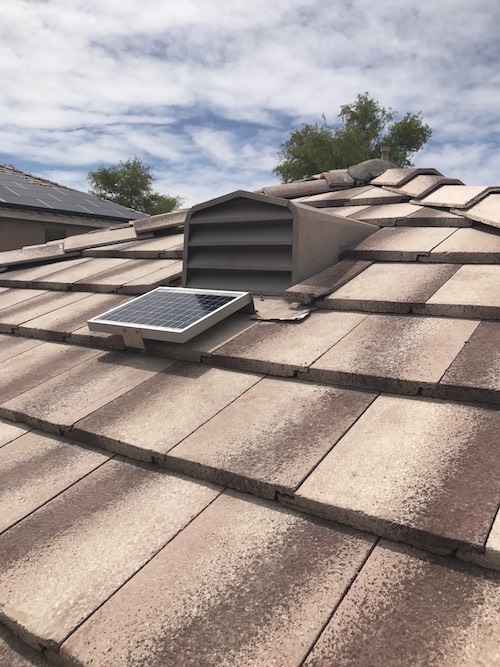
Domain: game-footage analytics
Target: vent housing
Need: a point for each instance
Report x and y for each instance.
(262, 244)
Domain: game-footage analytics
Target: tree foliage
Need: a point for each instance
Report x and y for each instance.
(363, 128)
(130, 184)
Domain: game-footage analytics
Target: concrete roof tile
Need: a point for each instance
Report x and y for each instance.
(468, 246)
(112, 521)
(374, 196)
(23, 277)
(297, 188)
(63, 277)
(12, 345)
(100, 237)
(158, 247)
(455, 196)
(282, 348)
(338, 178)
(336, 198)
(237, 569)
(387, 214)
(475, 373)
(400, 175)
(75, 393)
(410, 608)
(46, 302)
(170, 271)
(98, 339)
(271, 437)
(486, 211)
(400, 243)
(9, 431)
(161, 221)
(390, 288)
(129, 270)
(58, 324)
(325, 282)
(31, 255)
(401, 353)
(186, 394)
(415, 470)
(14, 653)
(11, 297)
(28, 368)
(433, 217)
(473, 291)
(27, 478)
(491, 556)
(421, 186)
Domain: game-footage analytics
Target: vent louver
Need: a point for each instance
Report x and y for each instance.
(262, 244)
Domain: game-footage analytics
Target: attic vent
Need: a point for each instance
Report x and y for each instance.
(170, 314)
(262, 244)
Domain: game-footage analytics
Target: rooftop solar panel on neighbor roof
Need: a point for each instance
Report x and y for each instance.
(172, 314)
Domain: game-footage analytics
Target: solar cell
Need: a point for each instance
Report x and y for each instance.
(172, 314)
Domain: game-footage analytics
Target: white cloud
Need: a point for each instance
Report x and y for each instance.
(205, 91)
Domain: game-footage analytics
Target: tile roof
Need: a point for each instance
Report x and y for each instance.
(271, 492)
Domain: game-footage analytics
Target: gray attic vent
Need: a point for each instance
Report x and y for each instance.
(262, 244)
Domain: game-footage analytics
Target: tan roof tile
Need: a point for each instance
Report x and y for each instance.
(46, 302)
(63, 277)
(400, 244)
(15, 653)
(455, 196)
(65, 560)
(468, 246)
(187, 394)
(161, 221)
(491, 556)
(392, 287)
(336, 198)
(350, 211)
(35, 468)
(282, 348)
(297, 188)
(98, 238)
(28, 255)
(58, 324)
(416, 470)
(473, 291)
(127, 271)
(338, 178)
(99, 339)
(421, 186)
(401, 353)
(9, 431)
(325, 282)
(170, 271)
(271, 437)
(433, 217)
(387, 214)
(155, 248)
(400, 175)
(475, 373)
(487, 211)
(75, 393)
(374, 196)
(27, 368)
(238, 569)
(23, 277)
(11, 297)
(12, 345)
(409, 608)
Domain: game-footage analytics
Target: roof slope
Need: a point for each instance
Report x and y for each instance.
(19, 190)
(317, 492)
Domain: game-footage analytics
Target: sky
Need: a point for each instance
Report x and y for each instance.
(205, 91)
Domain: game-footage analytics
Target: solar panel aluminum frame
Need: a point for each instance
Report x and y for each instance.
(106, 324)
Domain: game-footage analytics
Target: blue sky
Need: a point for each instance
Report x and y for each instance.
(206, 90)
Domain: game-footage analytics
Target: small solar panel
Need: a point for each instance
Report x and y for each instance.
(172, 314)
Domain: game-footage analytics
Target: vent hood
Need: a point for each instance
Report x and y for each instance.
(262, 244)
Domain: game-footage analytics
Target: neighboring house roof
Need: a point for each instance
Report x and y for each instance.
(317, 492)
(25, 192)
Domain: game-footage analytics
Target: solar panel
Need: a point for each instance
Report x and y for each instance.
(172, 314)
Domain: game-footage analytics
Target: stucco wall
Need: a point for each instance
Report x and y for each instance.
(18, 233)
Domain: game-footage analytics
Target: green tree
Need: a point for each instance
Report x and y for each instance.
(363, 127)
(130, 183)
